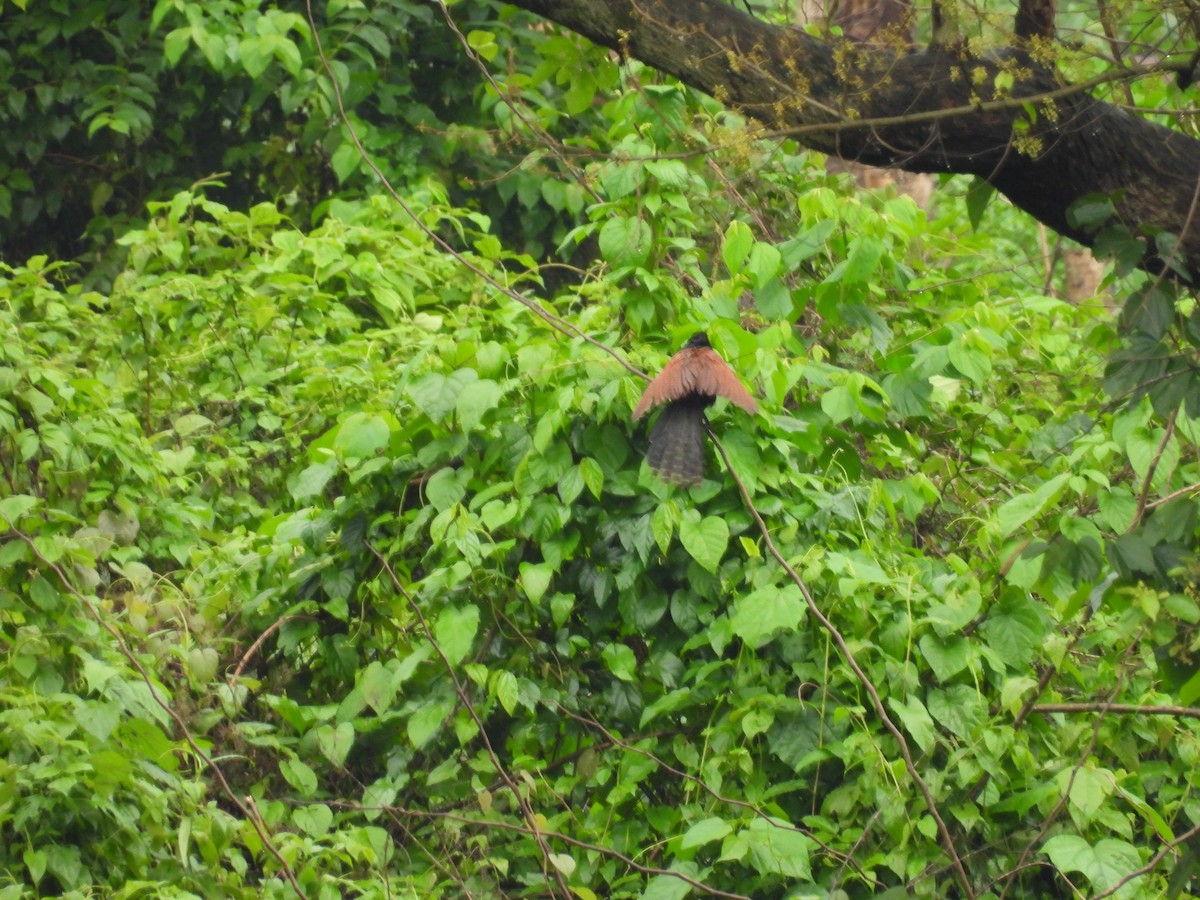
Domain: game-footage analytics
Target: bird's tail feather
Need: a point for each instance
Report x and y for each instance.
(677, 444)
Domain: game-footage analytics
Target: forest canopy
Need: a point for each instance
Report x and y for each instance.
(329, 561)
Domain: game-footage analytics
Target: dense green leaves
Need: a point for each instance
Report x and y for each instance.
(383, 540)
(556, 582)
(114, 103)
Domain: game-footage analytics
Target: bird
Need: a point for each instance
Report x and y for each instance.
(691, 381)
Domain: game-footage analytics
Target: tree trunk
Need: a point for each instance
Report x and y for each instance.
(935, 111)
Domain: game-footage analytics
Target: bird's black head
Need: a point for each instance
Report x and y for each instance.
(699, 339)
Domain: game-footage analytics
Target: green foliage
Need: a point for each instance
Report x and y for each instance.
(111, 103)
(383, 541)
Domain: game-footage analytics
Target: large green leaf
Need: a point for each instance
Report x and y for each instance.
(455, 631)
(1103, 864)
(705, 539)
(778, 849)
(1014, 513)
(757, 616)
(625, 241)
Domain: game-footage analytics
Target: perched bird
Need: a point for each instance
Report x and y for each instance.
(691, 380)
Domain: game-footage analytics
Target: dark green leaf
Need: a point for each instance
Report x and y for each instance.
(1015, 629)
(979, 195)
(1090, 212)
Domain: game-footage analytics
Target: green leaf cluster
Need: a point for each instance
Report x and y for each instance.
(111, 104)
(381, 540)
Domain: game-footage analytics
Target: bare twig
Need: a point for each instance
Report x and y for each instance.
(254, 648)
(523, 804)
(1144, 493)
(1174, 495)
(1114, 43)
(1152, 863)
(1125, 709)
(249, 813)
(847, 654)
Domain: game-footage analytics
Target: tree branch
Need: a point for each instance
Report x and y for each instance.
(791, 81)
(1129, 709)
(1035, 18)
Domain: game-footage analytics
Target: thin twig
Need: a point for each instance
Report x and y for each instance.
(930, 804)
(548, 142)
(254, 648)
(1152, 863)
(1174, 495)
(558, 323)
(1144, 493)
(523, 803)
(1127, 709)
(983, 106)
(247, 812)
(1114, 44)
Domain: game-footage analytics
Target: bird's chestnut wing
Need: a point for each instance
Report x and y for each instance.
(695, 371)
(714, 378)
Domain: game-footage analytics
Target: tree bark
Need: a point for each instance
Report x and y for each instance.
(875, 22)
(1035, 18)
(933, 111)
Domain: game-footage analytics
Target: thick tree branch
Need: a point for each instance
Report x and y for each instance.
(1075, 145)
(1035, 18)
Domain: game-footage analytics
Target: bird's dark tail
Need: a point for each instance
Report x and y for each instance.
(676, 451)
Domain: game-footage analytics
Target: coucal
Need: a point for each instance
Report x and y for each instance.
(690, 381)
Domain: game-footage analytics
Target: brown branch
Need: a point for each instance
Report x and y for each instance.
(257, 645)
(1130, 709)
(1191, 489)
(924, 113)
(1114, 44)
(1153, 862)
(1051, 670)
